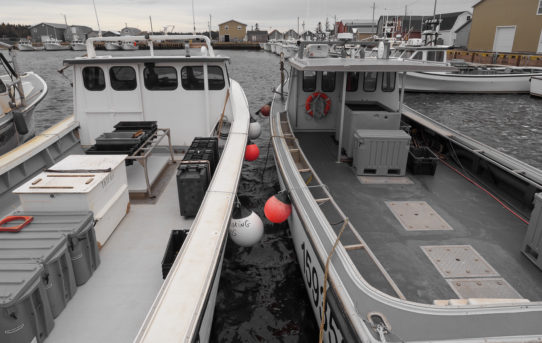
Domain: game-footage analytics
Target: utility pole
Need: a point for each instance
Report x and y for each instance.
(373, 22)
(298, 33)
(150, 19)
(210, 28)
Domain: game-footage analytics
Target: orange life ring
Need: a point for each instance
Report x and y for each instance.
(314, 96)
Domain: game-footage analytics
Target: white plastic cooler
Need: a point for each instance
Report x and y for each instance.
(78, 183)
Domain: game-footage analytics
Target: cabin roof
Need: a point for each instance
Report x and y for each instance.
(364, 65)
(143, 59)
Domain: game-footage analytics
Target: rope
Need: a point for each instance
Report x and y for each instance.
(486, 191)
(322, 321)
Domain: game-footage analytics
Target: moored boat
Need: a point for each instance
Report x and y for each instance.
(78, 45)
(145, 92)
(53, 44)
(25, 45)
(536, 86)
(405, 230)
(129, 46)
(112, 46)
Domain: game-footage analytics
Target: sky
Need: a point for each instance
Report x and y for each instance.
(269, 14)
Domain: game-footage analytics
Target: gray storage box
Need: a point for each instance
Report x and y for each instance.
(25, 313)
(79, 229)
(48, 249)
(381, 152)
(532, 246)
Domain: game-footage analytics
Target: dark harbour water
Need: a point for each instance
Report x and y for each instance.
(261, 296)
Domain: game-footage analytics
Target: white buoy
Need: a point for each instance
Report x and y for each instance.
(254, 129)
(246, 227)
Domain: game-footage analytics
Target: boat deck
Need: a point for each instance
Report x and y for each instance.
(473, 223)
(112, 305)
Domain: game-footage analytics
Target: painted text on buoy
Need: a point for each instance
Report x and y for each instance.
(246, 227)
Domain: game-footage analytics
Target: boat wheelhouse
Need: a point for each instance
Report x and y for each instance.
(405, 230)
(177, 98)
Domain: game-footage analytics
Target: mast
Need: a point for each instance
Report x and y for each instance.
(193, 18)
(210, 28)
(150, 19)
(373, 21)
(96, 13)
(435, 9)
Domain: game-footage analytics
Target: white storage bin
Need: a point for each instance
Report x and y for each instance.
(96, 183)
(381, 152)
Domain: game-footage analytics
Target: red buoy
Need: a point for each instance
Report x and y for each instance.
(265, 110)
(278, 208)
(252, 152)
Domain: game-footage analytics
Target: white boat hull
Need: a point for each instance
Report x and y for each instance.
(25, 47)
(536, 86)
(112, 46)
(465, 83)
(55, 47)
(79, 47)
(129, 46)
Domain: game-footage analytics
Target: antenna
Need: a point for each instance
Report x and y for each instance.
(193, 18)
(66, 22)
(150, 19)
(96, 12)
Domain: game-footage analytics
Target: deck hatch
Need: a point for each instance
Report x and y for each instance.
(483, 288)
(417, 216)
(456, 261)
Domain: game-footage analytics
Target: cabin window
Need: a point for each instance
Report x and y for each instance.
(539, 11)
(160, 78)
(328, 81)
(352, 82)
(369, 81)
(388, 82)
(406, 54)
(94, 78)
(192, 78)
(2, 87)
(123, 78)
(435, 56)
(309, 81)
(216, 78)
(418, 55)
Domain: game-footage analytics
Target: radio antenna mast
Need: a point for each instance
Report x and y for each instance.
(96, 13)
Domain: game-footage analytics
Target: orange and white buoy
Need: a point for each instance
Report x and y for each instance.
(278, 208)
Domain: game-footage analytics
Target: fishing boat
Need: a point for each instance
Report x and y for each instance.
(405, 230)
(25, 45)
(112, 46)
(536, 86)
(78, 45)
(137, 196)
(468, 77)
(129, 46)
(53, 44)
(20, 94)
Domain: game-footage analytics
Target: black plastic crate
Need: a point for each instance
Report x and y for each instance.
(422, 161)
(127, 151)
(202, 155)
(136, 125)
(192, 183)
(120, 140)
(174, 244)
(203, 143)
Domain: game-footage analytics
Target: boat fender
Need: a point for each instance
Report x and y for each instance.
(254, 129)
(252, 152)
(20, 123)
(312, 101)
(278, 208)
(246, 227)
(265, 110)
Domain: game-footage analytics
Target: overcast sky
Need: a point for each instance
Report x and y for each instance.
(269, 14)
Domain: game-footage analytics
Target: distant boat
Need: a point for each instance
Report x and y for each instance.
(78, 45)
(129, 46)
(25, 45)
(53, 44)
(113, 46)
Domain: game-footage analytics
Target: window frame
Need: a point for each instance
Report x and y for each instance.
(160, 89)
(226, 27)
(310, 90)
(111, 79)
(209, 87)
(365, 89)
(85, 83)
(416, 53)
(208, 79)
(203, 77)
(388, 90)
(539, 9)
(332, 89)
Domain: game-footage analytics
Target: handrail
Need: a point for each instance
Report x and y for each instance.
(91, 52)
